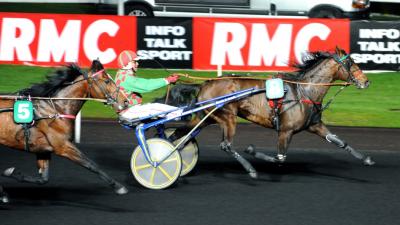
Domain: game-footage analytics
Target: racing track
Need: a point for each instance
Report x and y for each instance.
(319, 184)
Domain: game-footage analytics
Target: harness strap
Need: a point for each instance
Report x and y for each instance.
(27, 134)
(6, 110)
(67, 116)
(310, 102)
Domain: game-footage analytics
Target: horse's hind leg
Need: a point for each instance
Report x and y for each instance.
(229, 128)
(69, 151)
(259, 155)
(284, 138)
(43, 160)
(321, 130)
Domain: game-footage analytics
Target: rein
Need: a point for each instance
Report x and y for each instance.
(15, 97)
(262, 78)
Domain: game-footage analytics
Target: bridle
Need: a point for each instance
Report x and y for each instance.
(111, 98)
(346, 62)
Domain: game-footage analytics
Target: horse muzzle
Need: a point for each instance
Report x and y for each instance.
(362, 85)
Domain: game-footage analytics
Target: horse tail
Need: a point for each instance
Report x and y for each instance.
(180, 95)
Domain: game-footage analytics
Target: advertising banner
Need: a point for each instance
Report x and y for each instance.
(165, 42)
(252, 44)
(201, 43)
(376, 45)
(56, 39)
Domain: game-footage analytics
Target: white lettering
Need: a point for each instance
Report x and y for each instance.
(223, 47)
(164, 43)
(379, 46)
(50, 43)
(376, 58)
(91, 40)
(379, 33)
(10, 40)
(305, 35)
(164, 55)
(269, 49)
(165, 30)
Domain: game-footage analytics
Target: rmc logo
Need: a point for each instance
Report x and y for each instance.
(54, 39)
(263, 44)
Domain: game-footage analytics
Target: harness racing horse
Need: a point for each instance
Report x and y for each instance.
(63, 95)
(300, 109)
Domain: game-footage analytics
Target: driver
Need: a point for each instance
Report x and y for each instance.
(133, 86)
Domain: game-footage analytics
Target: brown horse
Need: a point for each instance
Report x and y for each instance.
(51, 131)
(300, 109)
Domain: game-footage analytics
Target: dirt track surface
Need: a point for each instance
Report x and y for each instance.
(319, 183)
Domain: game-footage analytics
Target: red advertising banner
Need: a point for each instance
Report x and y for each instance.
(54, 39)
(255, 44)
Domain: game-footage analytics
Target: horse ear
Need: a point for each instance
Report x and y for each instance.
(96, 65)
(340, 51)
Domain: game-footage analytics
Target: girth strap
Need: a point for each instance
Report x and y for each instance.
(27, 134)
(6, 110)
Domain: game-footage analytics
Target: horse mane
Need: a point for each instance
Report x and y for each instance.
(55, 81)
(310, 60)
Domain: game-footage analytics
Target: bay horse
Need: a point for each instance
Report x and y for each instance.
(300, 108)
(63, 95)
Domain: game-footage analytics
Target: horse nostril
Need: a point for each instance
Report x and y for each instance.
(367, 83)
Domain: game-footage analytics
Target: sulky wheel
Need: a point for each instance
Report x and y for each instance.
(189, 154)
(162, 176)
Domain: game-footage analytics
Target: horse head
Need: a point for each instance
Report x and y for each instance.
(348, 70)
(103, 86)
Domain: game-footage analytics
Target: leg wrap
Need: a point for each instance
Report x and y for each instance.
(334, 139)
(226, 146)
(259, 155)
(341, 144)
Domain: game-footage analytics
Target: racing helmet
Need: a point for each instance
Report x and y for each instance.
(125, 57)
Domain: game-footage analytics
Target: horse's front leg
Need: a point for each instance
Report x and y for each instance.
(70, 151)
(229, 129)
(43, 160)
(321, 130)
(284, 138)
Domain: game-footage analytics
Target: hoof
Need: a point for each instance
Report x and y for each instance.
(368, 161)
(280, 158)
(253, 175)
(250, 150)
(121, 191)
(4, 199)
(8, 171)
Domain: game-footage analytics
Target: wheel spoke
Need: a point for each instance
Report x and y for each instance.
(170, 160)
(185, 163)
(165, 172)
(152, 176)
(144, 166)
